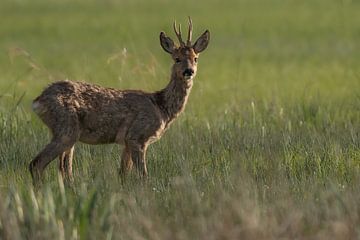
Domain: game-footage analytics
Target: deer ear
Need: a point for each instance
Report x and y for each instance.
(166, 43)
(202, 42)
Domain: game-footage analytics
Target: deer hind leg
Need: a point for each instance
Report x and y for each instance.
(65, 164)
(63, 140)
(51, 151)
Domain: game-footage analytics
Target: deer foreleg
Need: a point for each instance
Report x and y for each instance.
(126, 162)
(138, 158)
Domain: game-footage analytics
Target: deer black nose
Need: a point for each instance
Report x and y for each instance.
(188, 72)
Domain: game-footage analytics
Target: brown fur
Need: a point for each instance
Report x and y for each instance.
(79, 111)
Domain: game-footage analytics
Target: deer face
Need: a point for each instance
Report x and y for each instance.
(185, 65)
(186, 55)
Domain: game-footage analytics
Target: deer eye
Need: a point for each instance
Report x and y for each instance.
(196, 60)
(177, 60)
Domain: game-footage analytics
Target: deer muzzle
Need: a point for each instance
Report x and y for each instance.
(188, 73)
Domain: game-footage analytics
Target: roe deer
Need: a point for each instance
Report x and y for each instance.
(79, 111)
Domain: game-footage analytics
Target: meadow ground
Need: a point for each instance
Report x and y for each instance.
(268, 146)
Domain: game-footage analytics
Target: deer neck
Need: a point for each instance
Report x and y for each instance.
(172, 99)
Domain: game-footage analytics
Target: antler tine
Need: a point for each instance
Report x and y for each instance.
(178, 34)
(189, 32)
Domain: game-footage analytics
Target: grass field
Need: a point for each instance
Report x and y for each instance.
(268, 146)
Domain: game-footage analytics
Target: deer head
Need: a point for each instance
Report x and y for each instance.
(186, 54)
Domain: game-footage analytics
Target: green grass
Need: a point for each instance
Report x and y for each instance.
(268, 146)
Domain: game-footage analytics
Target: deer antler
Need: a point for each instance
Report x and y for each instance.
(188, 43)
(178, 34)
